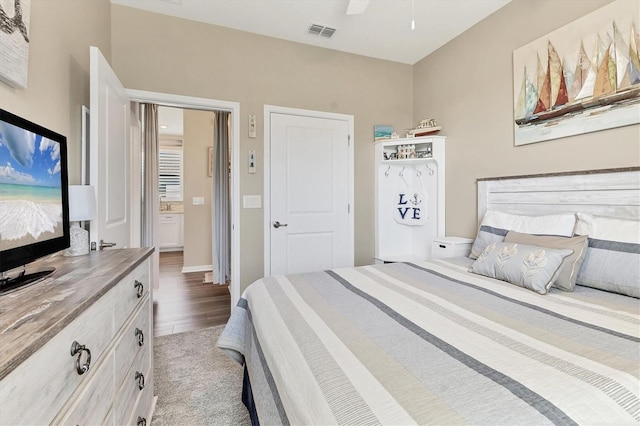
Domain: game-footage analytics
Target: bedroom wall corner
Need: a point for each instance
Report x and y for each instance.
(60, 33)
(467, 85)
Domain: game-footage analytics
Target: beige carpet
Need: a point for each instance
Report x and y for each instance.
(196, 383)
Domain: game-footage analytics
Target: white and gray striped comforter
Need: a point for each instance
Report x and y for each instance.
(430, 343)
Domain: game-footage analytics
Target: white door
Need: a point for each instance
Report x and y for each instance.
(310, 214)
(109, 154)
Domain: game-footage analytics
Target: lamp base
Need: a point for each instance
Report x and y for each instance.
(79, 241)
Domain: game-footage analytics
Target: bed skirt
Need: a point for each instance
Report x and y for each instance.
(247, 398)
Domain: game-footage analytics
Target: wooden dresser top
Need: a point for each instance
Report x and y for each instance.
(31, 316)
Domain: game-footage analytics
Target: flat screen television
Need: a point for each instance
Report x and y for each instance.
(34, 198)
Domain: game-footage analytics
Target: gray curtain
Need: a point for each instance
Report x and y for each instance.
(150, 201)
(222, 201)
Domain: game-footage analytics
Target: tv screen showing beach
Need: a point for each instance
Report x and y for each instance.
(30, 188)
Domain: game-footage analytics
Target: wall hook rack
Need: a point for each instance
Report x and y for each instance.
(431, 171)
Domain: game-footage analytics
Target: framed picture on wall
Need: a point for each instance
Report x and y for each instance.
(14, 42)
(581, 78)
(381, 132)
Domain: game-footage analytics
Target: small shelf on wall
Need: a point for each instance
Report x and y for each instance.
(408, 161)
(421, 149)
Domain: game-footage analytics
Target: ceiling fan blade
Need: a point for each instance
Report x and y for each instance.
(356, 7)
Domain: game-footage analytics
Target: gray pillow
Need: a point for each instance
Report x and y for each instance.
(532, 267)
(612, 262)
(569, 273)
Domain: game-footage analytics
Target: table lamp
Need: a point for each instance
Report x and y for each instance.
(82, 206)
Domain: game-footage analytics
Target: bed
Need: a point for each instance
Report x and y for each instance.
(434, 343)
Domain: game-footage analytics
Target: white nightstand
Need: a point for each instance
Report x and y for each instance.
(450, 247)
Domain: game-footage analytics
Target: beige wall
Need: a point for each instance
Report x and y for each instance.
(198, 137)
(467, 86)
(60, 34)
(157, 53)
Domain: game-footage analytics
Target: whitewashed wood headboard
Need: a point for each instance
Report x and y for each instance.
(610, 192)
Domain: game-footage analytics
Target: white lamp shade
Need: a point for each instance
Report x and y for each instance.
(82, 203)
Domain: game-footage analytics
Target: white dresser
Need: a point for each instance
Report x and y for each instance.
(77, 348)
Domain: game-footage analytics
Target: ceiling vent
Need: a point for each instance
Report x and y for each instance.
(321, 30)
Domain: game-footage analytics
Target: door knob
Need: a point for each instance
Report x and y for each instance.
(104, 245)
(277, 224)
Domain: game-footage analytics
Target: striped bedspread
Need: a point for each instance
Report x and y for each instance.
(430, 343)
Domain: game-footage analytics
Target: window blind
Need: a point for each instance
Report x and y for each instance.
(170, 175)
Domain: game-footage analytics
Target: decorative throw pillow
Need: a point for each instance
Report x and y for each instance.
(531, 267)
(612, 262)
(495, 225)
(569, 272)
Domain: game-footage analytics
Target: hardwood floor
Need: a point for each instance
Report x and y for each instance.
(183, 302)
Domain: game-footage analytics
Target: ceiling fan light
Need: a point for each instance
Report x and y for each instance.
(356, 7)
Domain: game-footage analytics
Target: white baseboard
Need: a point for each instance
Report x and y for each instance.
(163, 249)
(200, 268)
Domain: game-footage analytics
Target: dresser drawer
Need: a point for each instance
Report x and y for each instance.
(130, 291)
(35, 391)
(128, 348)
(93, 405)
(142, 412)
(129, 392)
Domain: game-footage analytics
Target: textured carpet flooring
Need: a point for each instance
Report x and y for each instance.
(196, 383)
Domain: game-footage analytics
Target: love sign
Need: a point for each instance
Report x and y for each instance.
(410, 208)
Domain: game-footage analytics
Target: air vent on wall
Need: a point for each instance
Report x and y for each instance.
(321, 30)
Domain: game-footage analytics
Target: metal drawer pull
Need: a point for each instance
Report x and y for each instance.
(139, 288)
(140, 380)
(140, 336)
(141, 421)
(77, 349)
(443, 246)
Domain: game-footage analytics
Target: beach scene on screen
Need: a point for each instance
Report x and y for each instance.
(30, 188)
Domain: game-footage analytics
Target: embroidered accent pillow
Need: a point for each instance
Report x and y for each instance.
(495, 226)
(532, 267)
(569, 273)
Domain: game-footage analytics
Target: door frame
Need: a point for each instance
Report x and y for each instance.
(268, 110)
(190, 102)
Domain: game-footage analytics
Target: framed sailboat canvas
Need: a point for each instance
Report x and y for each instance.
(581, 78)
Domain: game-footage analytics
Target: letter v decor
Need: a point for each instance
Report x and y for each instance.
(581, 78)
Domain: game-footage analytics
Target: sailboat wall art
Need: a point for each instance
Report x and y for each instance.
(581, 78)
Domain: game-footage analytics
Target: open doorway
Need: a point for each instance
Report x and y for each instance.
(198, 317)
(187, 297)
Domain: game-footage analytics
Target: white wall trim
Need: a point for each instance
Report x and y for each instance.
(198, 268)
(268, 110)
(180, 101)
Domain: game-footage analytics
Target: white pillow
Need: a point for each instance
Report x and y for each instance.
(612, 262)
(495, 225)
